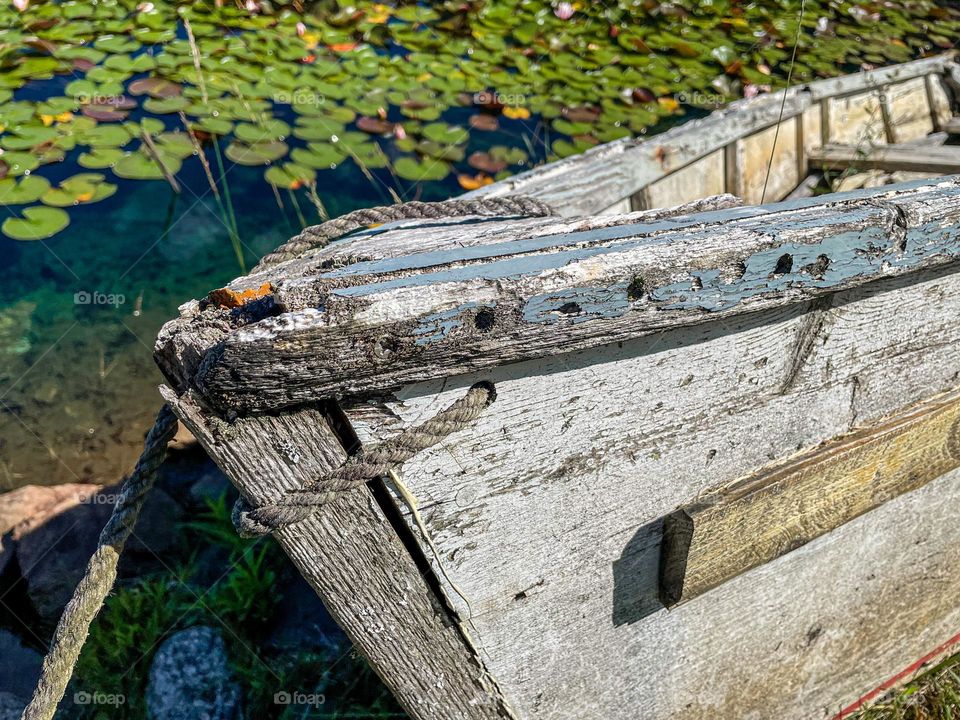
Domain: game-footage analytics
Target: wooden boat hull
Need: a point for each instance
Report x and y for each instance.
(656, 374)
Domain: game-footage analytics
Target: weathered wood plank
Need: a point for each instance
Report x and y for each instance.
(374, 326)
(759, 518)
(605, 175)
(355, 560)
(912, 157)
(952, 126)
(548, 520)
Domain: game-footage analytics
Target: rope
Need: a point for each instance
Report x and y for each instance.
(366, 465)
(318, 236)
(101, 573)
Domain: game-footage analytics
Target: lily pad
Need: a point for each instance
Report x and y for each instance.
(100, 158)
(38, 223)
(80, 189)
(420, 170)
(255, 133)
(289, 175)
(140, 166)
(22, 192)
(256, 154)
(20, 163)
(318, 155)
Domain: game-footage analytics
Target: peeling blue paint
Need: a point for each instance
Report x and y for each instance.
(435, 327)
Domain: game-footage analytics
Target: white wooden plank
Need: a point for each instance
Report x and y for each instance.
(912, 158)
(545, 512)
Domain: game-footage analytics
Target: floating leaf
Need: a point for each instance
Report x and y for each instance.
(473, 182)
(290, 175)
(214, 126)
(486, 162)
(481, 121)
(22, 192)
(38, 223)
(317, 155)
(256, 154)
(100, 158)
(418, 171)
(19, 163)
(155, 87)
(81, 188)
(375, 126)
(104, 136)
(140, 166)
(270, 130)
(27, 137)
(445, 134)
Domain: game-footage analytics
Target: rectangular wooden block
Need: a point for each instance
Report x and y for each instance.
(763, 516)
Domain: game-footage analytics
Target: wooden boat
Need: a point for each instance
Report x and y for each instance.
(719, 475)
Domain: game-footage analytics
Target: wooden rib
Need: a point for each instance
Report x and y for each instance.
(941, 160)
(766, 515)
(354, 559)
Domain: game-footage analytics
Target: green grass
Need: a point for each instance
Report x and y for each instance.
(141, 614)
(935, 695)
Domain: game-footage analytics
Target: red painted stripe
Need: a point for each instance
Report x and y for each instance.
(898, 678)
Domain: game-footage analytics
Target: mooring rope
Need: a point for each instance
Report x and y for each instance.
(366, 465)
(318, 236)
(93, 588)
(100, 575)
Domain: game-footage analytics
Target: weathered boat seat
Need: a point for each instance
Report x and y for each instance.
(658, 368)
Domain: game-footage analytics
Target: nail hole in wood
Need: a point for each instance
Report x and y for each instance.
(484, 320)
(570, 308)
(784, 264)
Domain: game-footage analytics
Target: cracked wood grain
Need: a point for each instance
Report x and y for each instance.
(354, 559)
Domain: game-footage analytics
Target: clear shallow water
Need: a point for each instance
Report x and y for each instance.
(77, 381)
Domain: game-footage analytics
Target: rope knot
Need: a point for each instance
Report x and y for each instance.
(366, 465)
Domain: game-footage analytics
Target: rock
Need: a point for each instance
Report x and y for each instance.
(19, 666)
(193, 478)
(190, 680)
(26, 508)
(11, 706)
(300, 621)
(53, 555)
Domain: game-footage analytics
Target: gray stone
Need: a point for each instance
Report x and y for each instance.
(190, 680)
(11, 706)
(54, 555)
(300, 622)
(19, 666)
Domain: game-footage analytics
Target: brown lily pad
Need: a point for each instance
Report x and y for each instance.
(643, 95)
(375, 126)
(486, 162)
(104, 113)
(155, 87)
(482, 121)
(583, 113)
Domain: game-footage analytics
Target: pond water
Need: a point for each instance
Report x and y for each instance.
(300, 112)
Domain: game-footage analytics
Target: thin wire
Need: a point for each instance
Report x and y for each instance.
(783, 104)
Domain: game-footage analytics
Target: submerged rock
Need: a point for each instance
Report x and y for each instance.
(15, 324)
(190, 680)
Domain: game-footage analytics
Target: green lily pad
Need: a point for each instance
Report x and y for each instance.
(445, 134)
(321, 156)
(214, 126)
(418, 171)
(116, 44)
(163, 106)
(289, 175)
(140, 166)
(20, 163)
(273, 129)
(105, 136)
(22, 192)
(100, 158)
(82, 188)
(38, 223)
(27, 137)
(256, 154)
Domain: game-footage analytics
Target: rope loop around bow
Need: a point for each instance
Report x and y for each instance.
(359, 469)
